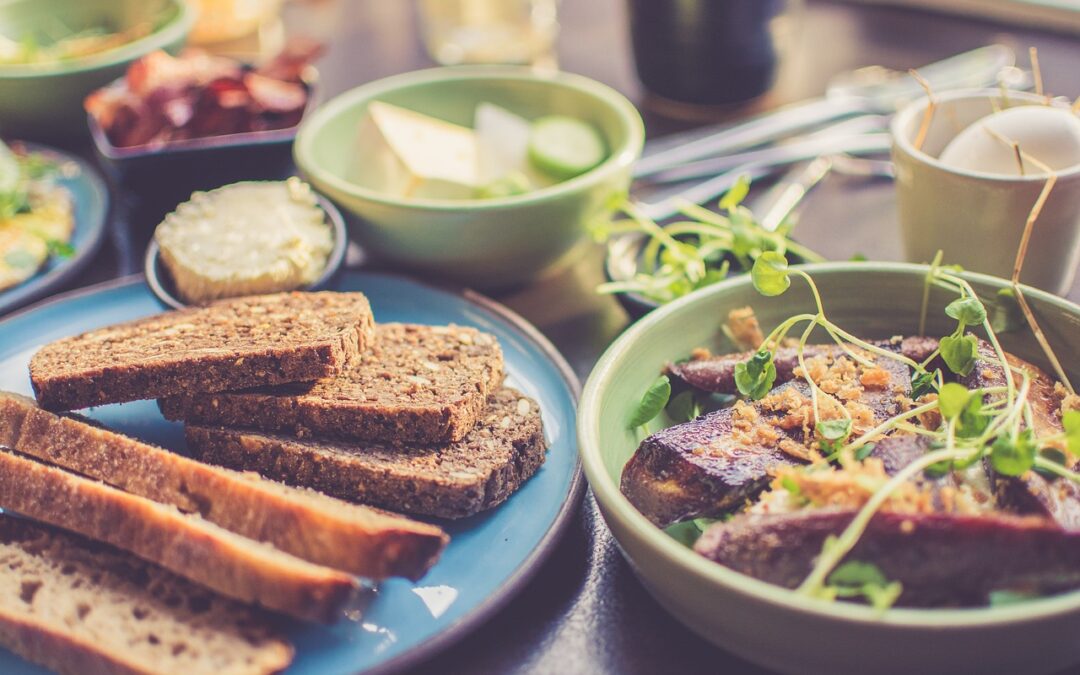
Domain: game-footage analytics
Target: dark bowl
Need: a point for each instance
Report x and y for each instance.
(161, 284)
(164, 175)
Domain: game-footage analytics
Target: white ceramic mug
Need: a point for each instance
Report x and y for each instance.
(977, 218)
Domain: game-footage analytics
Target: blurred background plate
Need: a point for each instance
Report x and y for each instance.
(491, 556)
(90, 199)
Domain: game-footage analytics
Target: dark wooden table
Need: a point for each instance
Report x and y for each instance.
(585, 612)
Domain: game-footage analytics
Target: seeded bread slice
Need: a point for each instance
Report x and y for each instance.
(82, 608)
(449, 481)
(305, 523)
(185, 544)
(233, 344)
(416, 384)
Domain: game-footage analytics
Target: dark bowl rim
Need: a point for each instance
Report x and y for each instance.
(309, 78)
(155, 273)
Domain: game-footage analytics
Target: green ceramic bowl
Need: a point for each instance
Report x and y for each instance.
(484, 243)
(770, 625)
(46, 100)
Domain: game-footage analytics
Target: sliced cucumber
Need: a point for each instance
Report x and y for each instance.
(564, 147)
(512, 184)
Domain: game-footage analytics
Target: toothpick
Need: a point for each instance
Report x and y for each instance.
(1019, 157)
(1036, 71)
(1021, 253)
(931, 106)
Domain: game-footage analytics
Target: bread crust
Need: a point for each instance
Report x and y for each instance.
(416, 384)
(235, 344)
(448, 481)
(308, 525)
(184, 544)
(69, 648)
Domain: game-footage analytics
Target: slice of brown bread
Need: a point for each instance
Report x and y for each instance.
(449, 481)
(232, 565)
(233, 344)
(80, 607)
(305, 523)
(416, 384)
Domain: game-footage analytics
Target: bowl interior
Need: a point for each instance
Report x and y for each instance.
(328, 145)
(46, 19)
(871, 302)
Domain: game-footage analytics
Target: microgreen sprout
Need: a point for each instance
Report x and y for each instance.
(698, 251)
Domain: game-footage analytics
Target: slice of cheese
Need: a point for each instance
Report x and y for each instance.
(406, 154)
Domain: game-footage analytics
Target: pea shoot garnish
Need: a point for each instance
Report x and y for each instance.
(700, 250)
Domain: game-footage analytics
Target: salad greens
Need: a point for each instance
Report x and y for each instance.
(701, 250)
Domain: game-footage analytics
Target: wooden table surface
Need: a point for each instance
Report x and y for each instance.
(585, 612)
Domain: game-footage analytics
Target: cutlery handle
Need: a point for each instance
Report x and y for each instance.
(757, 131)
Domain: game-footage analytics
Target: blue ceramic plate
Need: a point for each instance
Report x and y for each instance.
(91, 202)
(490, 556)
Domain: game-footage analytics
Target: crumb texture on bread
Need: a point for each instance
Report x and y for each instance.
(233, 344)
(415, 384)
(305, 523)
(449, 481)
(188, 545)
(83, 608)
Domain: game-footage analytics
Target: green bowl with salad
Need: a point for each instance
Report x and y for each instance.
(55, 52)
(483, 175)
(788, 630)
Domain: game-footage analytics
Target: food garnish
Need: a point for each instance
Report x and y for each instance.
(702, 250)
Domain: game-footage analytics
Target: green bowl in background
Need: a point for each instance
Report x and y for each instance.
(45, 101)
(773, 626)
(485, 243)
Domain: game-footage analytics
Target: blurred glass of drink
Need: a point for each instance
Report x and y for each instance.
(489, 31)
(226, 20)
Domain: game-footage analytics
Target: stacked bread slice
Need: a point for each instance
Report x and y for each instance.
(301, 418)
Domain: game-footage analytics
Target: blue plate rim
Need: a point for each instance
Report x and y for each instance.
(36, 289)
(536, 558)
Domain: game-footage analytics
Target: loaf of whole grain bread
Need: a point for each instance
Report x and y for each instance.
(233, 344)
(416, 384)
(449, 481)
(186, 544)
(305, 523)
(80, 607)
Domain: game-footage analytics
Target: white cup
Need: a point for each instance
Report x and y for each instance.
(977, 218)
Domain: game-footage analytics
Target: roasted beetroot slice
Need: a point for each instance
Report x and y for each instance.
(717, 374)
(1059, 499)
(698, 469)
(941, 559)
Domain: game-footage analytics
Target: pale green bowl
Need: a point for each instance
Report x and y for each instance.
(484, 243)
(770, 625)
(45, 101)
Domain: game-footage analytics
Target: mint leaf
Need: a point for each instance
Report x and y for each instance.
(924, 383)
(736, 194)
(654, 400)
(770, 274)
(754, 378)
(959, 353)
(1013, 458)
(967, 310)
(952, 399)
